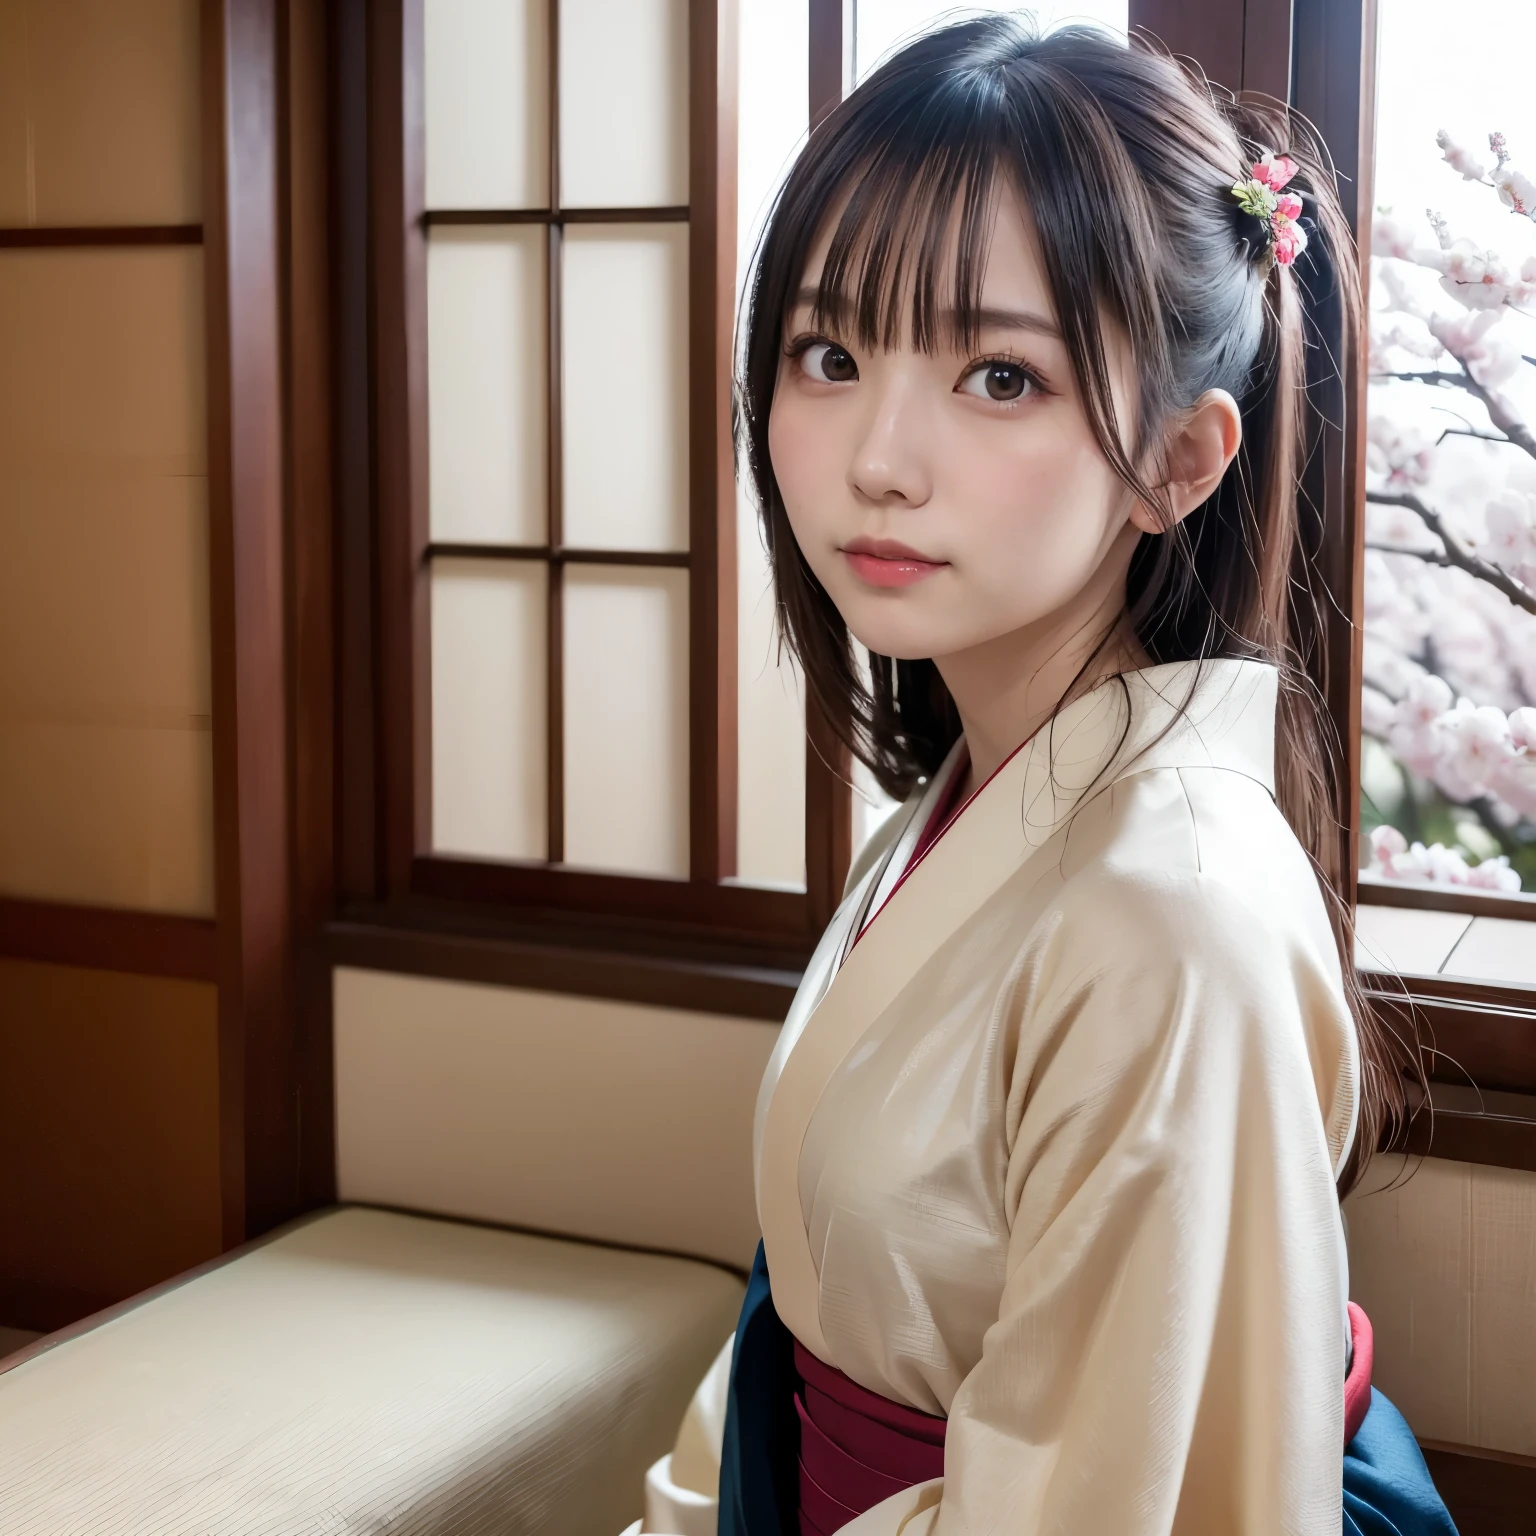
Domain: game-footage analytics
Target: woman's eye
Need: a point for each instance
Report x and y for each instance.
(828, 364)
(997, 381)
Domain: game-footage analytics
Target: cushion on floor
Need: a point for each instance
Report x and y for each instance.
(368, 1371)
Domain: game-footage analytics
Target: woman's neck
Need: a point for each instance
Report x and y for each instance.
(1005, 689)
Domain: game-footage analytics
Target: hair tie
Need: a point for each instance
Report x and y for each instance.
(1262, 196)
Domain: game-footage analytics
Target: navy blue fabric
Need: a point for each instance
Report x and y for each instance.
(1387, 1488)
(759, 1480)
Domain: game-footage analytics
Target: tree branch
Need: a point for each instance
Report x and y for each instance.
(1428, 556)
(1510, 425)
(1456, 553)
(1487, 437)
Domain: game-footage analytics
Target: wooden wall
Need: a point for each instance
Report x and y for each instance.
(109, 1084)
(109, 1152)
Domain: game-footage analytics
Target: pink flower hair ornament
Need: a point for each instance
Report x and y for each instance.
(1264, 198)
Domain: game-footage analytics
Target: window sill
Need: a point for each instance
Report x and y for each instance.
(1475, 945)
(1376, 892)
(622, 963)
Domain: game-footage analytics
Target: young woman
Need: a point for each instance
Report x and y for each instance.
(1049, 1153)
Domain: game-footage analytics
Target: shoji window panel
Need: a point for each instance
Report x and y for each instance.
(487, 103)
(487, 389)
(489, 707)
(623, 103)
(624, 373)
(558, 431)
(626, 719)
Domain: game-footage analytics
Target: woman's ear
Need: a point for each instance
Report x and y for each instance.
(1200, 448)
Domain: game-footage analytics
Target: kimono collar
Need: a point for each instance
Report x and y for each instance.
(1182, 714)
(1212, 714)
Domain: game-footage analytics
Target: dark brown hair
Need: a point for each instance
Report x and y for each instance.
(1126, 162)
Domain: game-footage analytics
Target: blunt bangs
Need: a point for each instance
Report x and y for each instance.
(916, 207)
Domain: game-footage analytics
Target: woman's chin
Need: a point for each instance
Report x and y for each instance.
(901, 642)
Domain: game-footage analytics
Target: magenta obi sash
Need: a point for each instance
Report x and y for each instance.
(857, 1448)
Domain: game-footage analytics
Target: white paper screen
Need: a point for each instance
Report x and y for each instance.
(487, 384)
(626, 719)
(489, 765)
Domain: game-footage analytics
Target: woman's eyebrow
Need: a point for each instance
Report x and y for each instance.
(1010, 320)
(987, 319)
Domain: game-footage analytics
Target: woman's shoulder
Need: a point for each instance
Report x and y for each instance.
(1192, 867)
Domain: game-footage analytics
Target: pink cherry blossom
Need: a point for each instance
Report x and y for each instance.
(1515, 785)
(1490, 358)
(1460, 158)
(1392, 236)
(1494, 875)
(1516, 190)
(1511, 539)
(1424, 701)
(1522, 728)
(1375, 711)
(1387, 843)
(1478, 744)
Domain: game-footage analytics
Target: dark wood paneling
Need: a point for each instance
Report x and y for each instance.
(248, 562)
(638, 215)
(651, 972)
(1482, 1036)
(711, 460)
(403, 631)
(109, 1136)
(311, 578)
(1460, 1136)
(1208, 31)
(831, 55)
(676, 559)
(109, 939)
(1488, 1493)
(743, 910)
(1333, 83)
(1267, 47)
(357, 804)
(65, 235)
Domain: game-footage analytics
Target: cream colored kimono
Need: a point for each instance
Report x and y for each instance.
(1051, 1149)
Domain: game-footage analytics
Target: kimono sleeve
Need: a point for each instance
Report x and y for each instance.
(1169, 1351)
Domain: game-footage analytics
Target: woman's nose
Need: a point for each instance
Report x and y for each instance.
(890, 463)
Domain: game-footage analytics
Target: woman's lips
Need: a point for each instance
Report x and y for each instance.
(885, 563)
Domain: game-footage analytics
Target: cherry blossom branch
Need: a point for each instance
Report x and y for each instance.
(1428, 556)
(1511, 426)
(1486, 437)
(1456, 553)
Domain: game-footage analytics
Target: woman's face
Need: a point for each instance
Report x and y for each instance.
(946, 499)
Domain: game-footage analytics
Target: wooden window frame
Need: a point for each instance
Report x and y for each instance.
(705, 941)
